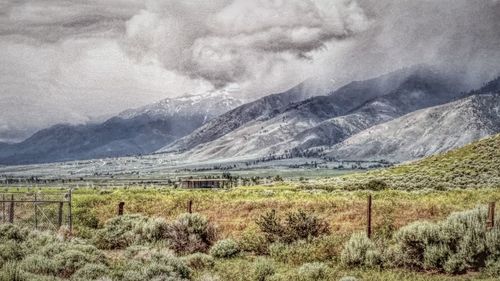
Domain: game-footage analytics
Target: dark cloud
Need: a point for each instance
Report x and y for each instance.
(72, 60)
(457, 35)
(228, 42)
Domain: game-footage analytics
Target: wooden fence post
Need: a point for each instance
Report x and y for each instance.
(369, 217)
(490, 223)
(120, 208)
(60, 216)
(190, 206)
(70, 215)
(36, 213)
(11, 211)
(4, 219)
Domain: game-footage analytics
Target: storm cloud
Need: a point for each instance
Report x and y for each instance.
(228, 42)
(75, 61)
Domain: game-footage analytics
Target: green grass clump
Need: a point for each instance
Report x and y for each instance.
(263, 269)
(227, 248)
(313, 272)
(91, 272)
(199, 261)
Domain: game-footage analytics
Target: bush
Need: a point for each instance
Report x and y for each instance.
(227, 248)
(296, 225)
(348, 278)
(191, 233)
(11, 232)
(456, 245)
(209, 277)
(91, 272)
(319, 249)
(160, 271)
(253, 242)
(199, 261)
(263, 269)
(153, 230)
(313, 272)
(152, 264)
(10, 272)
(376, 185)
(38, 265)
(118, 232)
(360, 251)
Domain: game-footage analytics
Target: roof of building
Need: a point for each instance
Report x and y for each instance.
(203, 180)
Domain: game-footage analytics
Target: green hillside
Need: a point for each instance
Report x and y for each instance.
(474, 165)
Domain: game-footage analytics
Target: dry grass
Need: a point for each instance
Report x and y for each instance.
(236, 210)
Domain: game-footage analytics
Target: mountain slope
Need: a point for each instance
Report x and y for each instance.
(326, 120)
(425, 132)
(136, 131)
(476, 165)
(238, 117)
(428, 131)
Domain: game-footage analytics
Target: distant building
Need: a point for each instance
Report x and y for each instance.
(204, 183)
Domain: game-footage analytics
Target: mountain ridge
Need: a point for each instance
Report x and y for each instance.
(365, 103)
(132, 132)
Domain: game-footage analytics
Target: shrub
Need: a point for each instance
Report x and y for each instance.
(313, 271)
(360, 251)
(70, 261)
(299, 252)
(152, 230)
(191, 233)
(10, 251)
(300, 225)
(263, 269)
(119, 232)
(199, 261)
(38, 265)
(297, 225)
(348, 278)
(13, 233)
(91, 272)
(209, 277)
(492, 268)
(10, 272)
(376, 185)
(270, 224)
(227, 248)
(152, 264)
(254, 242)
(455, 245)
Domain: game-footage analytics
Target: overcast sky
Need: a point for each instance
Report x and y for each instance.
(78, 60)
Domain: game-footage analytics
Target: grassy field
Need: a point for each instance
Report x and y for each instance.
(258, 232)
(235, 211)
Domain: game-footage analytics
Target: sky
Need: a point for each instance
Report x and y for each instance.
(77, 61)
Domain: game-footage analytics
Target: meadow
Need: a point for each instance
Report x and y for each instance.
(234, 214)
(429, 223)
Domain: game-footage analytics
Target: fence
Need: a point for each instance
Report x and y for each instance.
(53, 210)
(36, 209)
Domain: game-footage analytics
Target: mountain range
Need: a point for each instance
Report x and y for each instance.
(403, 115)
(320, 122)
(132, 132)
